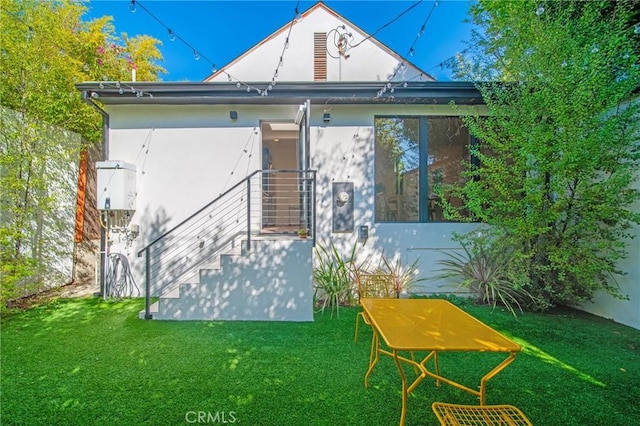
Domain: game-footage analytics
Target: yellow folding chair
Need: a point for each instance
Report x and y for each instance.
(374, 285)
(476, 415)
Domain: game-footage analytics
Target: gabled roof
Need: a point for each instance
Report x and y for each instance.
(320, 6)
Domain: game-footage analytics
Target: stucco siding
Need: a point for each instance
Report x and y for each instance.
(369, 61)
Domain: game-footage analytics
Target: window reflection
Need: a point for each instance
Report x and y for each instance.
(398, 172)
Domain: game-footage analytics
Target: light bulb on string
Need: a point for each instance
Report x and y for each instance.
(172, 36)
(120, 91)
(412, 52)
(196, 55)
(238, 85)
(540, 10)
(286, 43)
(229, 78)
(248, 89)
(281, 63)
(132, 6)
(636, 28)
(298, 15)
(405, 84)
(214, 69)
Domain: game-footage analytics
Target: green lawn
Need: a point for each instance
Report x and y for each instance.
(85, 361)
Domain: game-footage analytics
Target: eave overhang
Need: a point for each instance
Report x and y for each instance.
(329, 93)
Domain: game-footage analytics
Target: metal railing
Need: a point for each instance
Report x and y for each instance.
(267, 202)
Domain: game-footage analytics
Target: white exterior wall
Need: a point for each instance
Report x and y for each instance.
(369, 61)
(184, 157)
(192, 151)
(623, 311)
(343, 151)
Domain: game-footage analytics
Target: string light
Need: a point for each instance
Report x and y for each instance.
(198, 55)
(410, 52)
(540, 10)
(390, 22)
(132, 6)
(296, 18)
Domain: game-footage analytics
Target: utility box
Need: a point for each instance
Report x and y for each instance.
(116, 186)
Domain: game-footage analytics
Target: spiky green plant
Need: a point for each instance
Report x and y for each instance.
(332, 278)
(484, 270)
(405, 277)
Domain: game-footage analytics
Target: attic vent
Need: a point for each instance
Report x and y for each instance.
(319, 56)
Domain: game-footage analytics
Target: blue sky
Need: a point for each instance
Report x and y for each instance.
(222, 30)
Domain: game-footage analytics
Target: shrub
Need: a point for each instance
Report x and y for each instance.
(484, 269)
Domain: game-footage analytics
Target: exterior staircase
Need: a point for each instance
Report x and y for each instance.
(272, 282)
(217, 265)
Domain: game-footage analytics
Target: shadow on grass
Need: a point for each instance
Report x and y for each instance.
(88, 361)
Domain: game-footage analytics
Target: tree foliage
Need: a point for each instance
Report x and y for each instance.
(46, 49)
(559, 148)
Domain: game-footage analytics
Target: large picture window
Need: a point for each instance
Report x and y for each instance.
(413, 157)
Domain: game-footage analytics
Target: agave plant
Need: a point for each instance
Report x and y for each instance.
(484, 270)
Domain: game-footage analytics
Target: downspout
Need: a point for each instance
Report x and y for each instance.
(105, 155)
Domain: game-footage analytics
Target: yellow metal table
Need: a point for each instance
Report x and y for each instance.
(430, 325)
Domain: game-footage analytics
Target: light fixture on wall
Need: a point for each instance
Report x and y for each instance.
(233, 115)
(326, 117)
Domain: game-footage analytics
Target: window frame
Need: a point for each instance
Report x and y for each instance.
(423, 165)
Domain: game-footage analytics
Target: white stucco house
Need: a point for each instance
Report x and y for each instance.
(318, 126)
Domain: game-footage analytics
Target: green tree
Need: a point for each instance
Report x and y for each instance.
(46, 49)
(559, 147)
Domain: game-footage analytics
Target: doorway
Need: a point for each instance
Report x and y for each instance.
(280, 188)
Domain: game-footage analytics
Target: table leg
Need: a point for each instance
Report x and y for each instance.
(437, 366)
(374, 355)
(493, 373)
(403, 413)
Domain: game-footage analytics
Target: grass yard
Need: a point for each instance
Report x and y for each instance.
(86, 361)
